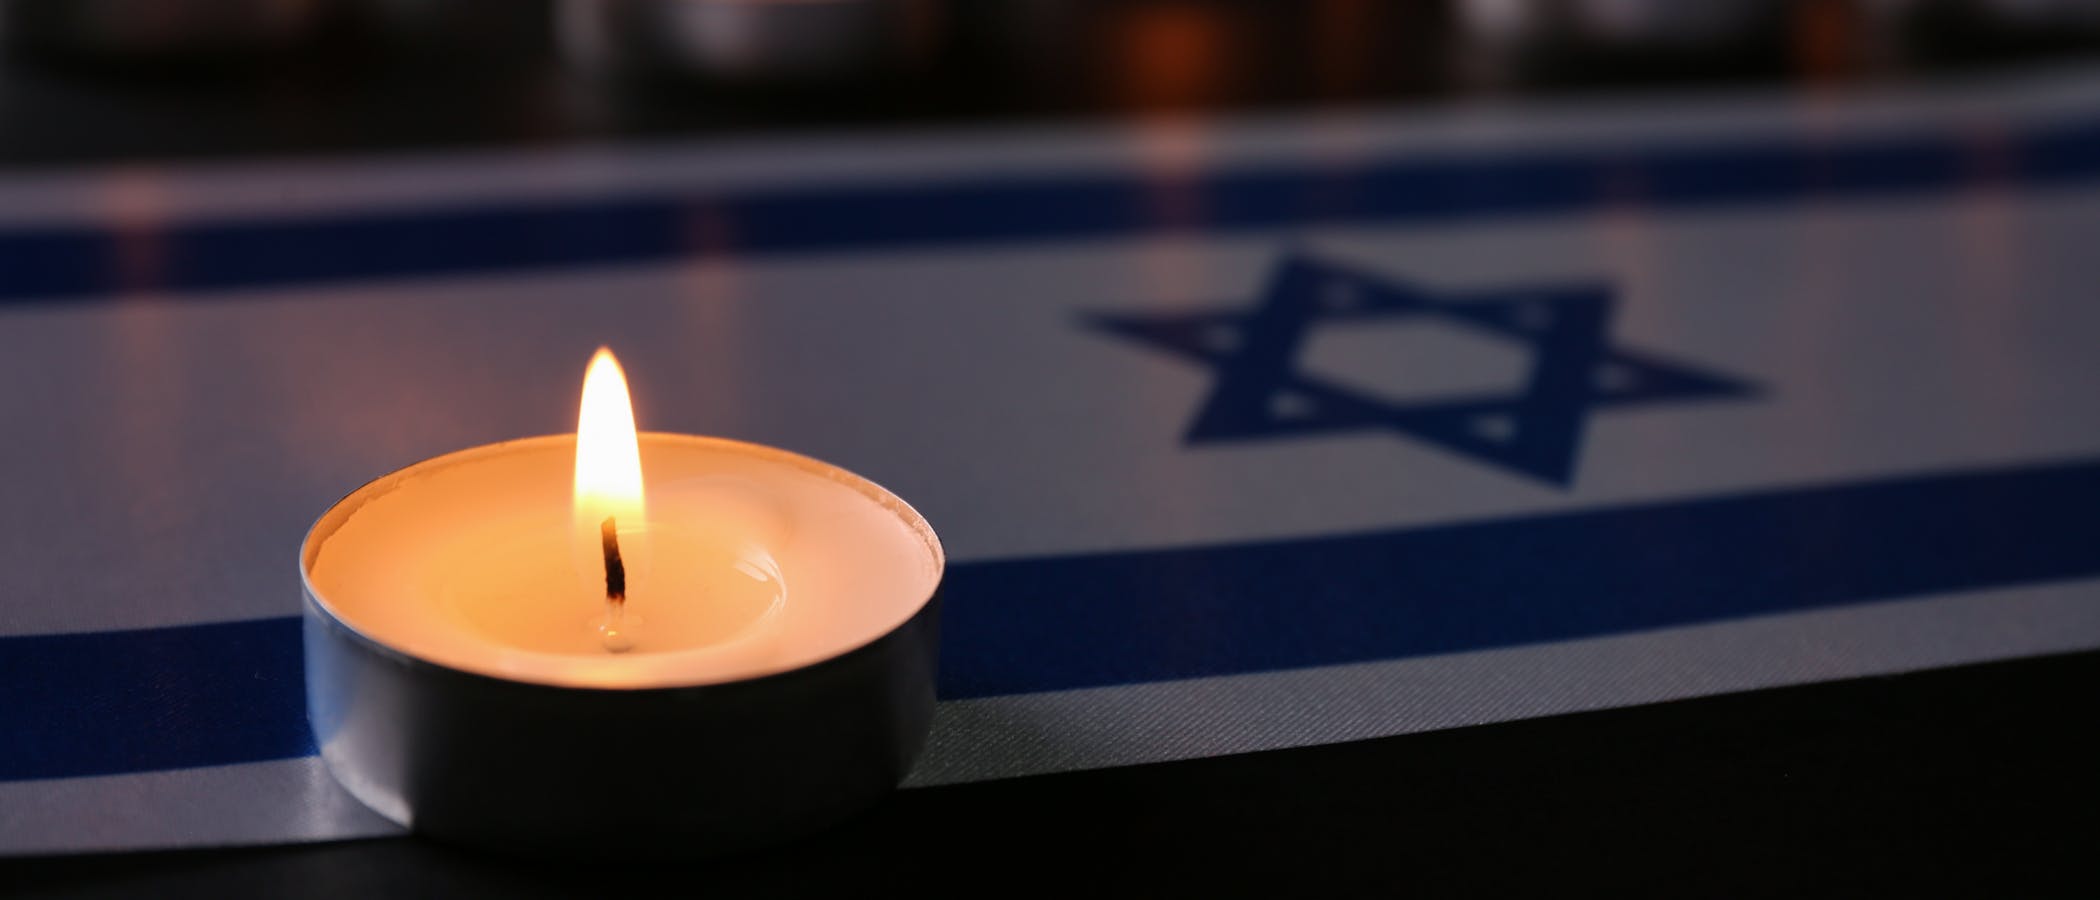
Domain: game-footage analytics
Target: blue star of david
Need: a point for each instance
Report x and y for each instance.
(1261, 393)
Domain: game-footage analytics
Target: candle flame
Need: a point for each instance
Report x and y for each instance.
(608, 455)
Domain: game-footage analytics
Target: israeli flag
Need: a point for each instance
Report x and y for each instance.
(1241, 436)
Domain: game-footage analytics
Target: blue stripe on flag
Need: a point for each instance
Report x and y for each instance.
(90, 261)
(162, 698)
(125, 701)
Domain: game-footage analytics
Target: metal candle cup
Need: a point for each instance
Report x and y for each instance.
(807, 700)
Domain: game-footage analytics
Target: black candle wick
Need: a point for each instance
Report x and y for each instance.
(615, 570)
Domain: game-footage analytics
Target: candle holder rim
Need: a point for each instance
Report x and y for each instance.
(310, 545)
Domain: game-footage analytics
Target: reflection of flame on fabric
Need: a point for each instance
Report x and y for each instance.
(1172, 151)
(136, 206)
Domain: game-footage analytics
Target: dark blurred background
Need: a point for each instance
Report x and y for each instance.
(101, 80)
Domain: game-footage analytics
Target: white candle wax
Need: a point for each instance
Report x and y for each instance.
(757, 561)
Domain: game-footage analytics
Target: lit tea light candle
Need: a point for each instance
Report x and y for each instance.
(609, 489)
(714, 644)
